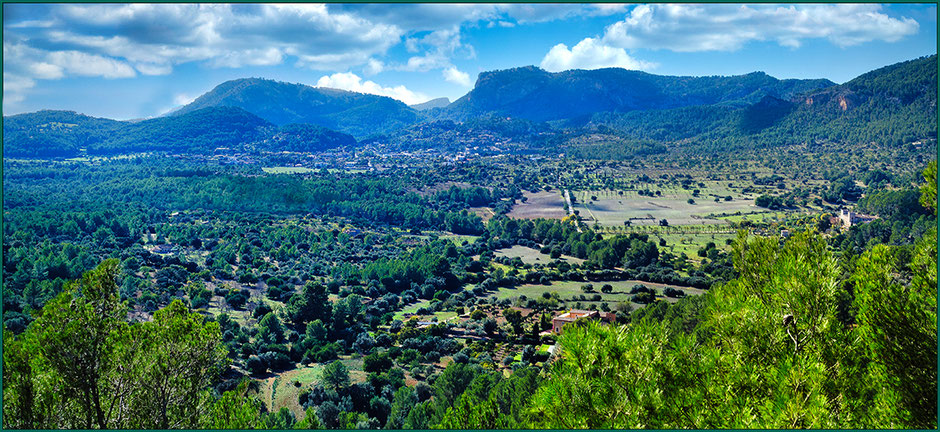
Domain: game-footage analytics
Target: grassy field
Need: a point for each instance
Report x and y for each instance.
(441, 316)
(613, 209)
(567, 289)
(548, 205)
(458, 239)
(533, 256)
(280, 390)
(689, 244)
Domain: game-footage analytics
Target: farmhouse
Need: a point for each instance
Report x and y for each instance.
(576, 314)
(849, 218)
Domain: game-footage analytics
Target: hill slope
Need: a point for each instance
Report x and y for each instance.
(282, 103)
(535, 94)
(196, 131)
(888, 106)
(53, 133)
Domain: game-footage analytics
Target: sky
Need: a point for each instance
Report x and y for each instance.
(129, 61)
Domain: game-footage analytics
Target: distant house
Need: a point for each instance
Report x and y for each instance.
(576, 314)
(849, 218)
(164, 249)
(352, 232)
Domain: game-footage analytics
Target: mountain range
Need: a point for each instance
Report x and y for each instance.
(893, 104)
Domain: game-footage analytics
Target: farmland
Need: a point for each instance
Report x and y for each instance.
(543, 204)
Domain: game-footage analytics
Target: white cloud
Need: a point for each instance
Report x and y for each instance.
(15, 88)
(726, 27)
(352, 82)
(84, 64)
(156, 37)
(251, 57)
(452, 74)
(374, 67)
(590, 53)
(153, 69)
(43, 70)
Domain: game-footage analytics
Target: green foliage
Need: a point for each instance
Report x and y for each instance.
(82, 365)
(769, 349)
(335, 375)
(310, 421)
(235, 410)
(308, 305)
(928, 197)
(898, 323)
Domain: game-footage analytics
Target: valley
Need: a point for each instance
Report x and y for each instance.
(356, 263)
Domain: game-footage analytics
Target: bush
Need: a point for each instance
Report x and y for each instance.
(672, 292)
(643, 298)
(255, 365)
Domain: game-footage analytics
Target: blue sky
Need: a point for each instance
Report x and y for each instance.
(141, 60)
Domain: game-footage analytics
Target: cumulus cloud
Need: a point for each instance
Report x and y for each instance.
(590, 53)
(452, 74)
(726, 27)
(84, 64)
(155, 37)
(352, 82)
(15, 88)
(438, 47)
(374, 66)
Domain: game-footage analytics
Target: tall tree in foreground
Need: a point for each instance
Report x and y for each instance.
(82, 365)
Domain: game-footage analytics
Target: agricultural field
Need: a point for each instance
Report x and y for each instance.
(533, 256)
(689, 244)
(568, 289)
(548, 205)
(613, 209)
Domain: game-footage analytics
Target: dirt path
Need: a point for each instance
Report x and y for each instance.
(571, 207)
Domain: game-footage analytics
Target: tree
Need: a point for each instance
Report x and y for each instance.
(310, 304)
(270, 330)
(514, 318)
(179, 356)
(899, 327)
(402, 403)
(74, 335)
(89, 368)
(376, 362)
(336, 375)
(928, 197)
(489, 326)
(310, 421)
(234, 410)
(770, 350)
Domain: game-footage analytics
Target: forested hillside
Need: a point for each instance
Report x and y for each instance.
(53, 133)
(282, 103)
(890, 106)
(534, 94)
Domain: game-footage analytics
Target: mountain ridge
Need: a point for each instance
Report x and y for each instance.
(534, 94)
(282, 103)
